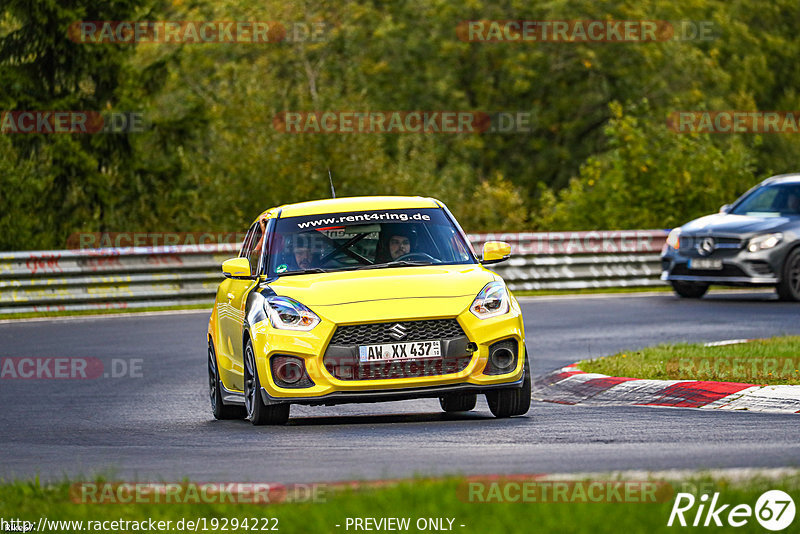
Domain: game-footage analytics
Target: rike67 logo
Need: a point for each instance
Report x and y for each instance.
(774, 510)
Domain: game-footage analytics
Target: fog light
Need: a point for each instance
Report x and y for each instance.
(502, 359)
(290, 372)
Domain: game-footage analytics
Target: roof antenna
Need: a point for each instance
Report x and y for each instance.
(333, 191)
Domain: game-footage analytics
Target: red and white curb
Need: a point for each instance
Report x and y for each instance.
(570, 385)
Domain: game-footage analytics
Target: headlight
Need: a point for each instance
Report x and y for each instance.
(674, 238)
(288, 314)
(493, 300)
(762, 242)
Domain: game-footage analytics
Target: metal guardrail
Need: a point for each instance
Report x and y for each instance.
(135, 277)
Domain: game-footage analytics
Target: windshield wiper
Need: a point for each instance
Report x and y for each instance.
(390, 264)
(306, 271)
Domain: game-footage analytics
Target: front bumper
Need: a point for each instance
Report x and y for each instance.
(328, 389)
(345, 397)
(739, 266)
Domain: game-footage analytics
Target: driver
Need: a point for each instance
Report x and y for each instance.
(399, 245)
(396, 241)
(298, 254)
(302, 257)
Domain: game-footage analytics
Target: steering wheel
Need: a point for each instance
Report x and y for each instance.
(419, 255)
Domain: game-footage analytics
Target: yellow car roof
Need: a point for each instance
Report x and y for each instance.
(340, 205)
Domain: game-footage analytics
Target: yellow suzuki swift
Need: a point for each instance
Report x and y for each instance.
(361, 300)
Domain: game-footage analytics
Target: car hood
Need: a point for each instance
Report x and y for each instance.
(735, 224)
(346, 287)
(400, 293)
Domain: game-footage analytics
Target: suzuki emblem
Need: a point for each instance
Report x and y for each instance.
(398, 332)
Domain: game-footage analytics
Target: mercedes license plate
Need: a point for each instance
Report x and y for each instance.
(705, 264)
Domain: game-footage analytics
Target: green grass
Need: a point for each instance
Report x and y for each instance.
(766, 361)
(413, 499)
(112, 311)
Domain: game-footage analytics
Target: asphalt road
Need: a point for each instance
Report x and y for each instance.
(156, 424)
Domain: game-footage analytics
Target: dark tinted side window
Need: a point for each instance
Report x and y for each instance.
(248, 242)
(255, 248)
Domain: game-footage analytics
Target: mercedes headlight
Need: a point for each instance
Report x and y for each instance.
(763, 242)
(288, 314)
(674, 238)
(493, 300)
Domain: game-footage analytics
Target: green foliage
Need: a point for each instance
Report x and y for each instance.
(495, 206)
(599, 154)
(518, 504)
(770, 361)
(650, 177)
(57, 184)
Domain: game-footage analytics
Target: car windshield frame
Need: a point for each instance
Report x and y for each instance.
(429, 222)
(756, 192)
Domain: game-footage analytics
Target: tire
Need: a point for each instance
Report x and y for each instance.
(689, 290)
(220, 410)
(789, 286)
(517, 401)
(259, 413)
(458, 402)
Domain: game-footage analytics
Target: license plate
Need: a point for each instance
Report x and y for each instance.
(399, 351)
(705, 264)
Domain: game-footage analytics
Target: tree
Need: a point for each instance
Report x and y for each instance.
(650, 177)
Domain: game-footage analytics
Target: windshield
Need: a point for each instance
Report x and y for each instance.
(770, 201)
(365, 240)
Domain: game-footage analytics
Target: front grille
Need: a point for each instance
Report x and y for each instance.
(681, 269)
(727, 242)
(725, 246)
(342, 361)
(367, 334)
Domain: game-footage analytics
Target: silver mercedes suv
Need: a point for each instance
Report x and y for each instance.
(752, 242)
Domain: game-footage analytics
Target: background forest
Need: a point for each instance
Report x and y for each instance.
(599, 154)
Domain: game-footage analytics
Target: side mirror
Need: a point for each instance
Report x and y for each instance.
(495, 252)
(236, 268)
(725, 208)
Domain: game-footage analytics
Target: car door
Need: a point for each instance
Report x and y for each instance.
(231, 300)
